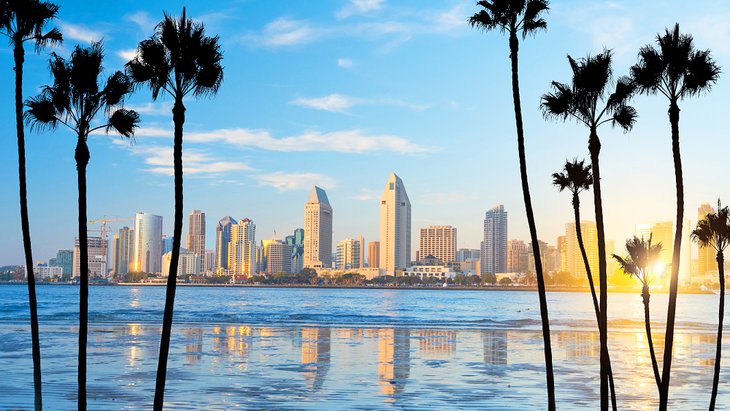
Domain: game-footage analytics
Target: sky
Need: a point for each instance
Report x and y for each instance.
(341, 93)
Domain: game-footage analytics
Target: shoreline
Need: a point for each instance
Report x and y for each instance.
(380, 287)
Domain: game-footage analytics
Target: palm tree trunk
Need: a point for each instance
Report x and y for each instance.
(19, 57)
(82, 160)
(178, 117)
(672, 306)
(647, 322)
(579, 234)
(721, 315)
(514, 49)
(594, 147)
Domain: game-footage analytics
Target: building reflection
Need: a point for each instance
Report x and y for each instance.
(495, 347)
(438, 343)
(231, 340)
(578, 344)
(315, 356)
(394, 346)
(193, 345)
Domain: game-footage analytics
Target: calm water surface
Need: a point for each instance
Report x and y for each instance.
(264, 348)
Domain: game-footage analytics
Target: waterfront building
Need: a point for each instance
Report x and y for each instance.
(188, 263)
(348, 254)
(439, 242)
(196, 235)
(222, 240)
(706, 263)
(96, 257)
(43, 271)
(123, 251)
(361, 262)
(440, 272)
(242, 249)
(276, 257)
(166, 243)
(468, 254)
(65, 260)
(208, 262)
(317, 230)
(494, 246)
(517, 256)
(573, 258)
(296, 241)
(395, 226)
(148, 243)
(374, 254)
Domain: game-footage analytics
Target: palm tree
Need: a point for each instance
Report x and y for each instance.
(576, 177)
(639, 263)
(714, 231)
(675, 70)
(586, 100)
(24, 21)
(178, 59)
(74, 100)
(522, 17)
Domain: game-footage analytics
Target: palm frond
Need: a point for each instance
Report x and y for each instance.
(124, 122)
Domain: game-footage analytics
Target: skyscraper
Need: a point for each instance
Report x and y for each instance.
(196, 235)
(276, 257)
(573, 258)
(148, 243)
(222, 240)
(374, 254)
(242, 249)
(96, 257)
(395, 226)
(348, 254)
(516, 256)
(317, 230)
(705, 256)
(296, 241)
(494, 246)
(65, 260)
(439, 242)
(361, 262)
(123, 251)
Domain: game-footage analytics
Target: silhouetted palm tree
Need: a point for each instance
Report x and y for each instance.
(179, 60)
(522, 17)
(675, 70)
(714, 231)
(639, 263)
(586, 100)
(576, 177)
(74, 100)
(24, 21)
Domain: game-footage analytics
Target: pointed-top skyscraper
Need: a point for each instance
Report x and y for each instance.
(317, 230)
(395, 226)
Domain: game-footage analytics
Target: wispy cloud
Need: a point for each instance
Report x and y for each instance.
(347, 141)
(340, 103)
(284, 32)
(344, 63)
(127, 54)
(366, 194)
(142, 19)
(359, 7)
(159, 160)
(80, 33)
(153, 109)
(283, 181)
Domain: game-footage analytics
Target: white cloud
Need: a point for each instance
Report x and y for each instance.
(127, 54)
(142, 19)
(295, 181)
(452, 19)
(80, 33)
(367, 195)
(153, 109)
(195, 162)
(340, 103)
(346, 141)
(359, 7)
(284, 32)
(344, 63)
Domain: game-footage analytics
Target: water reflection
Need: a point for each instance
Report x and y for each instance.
(495, 347)
(394, 347)
(437, 343)
(315, 356)
(193, 345)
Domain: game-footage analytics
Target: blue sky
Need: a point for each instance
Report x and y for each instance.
(341, 93)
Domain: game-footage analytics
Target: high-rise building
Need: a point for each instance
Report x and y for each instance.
(96, 257)
(188, 263)
(517, 256)
(166, 243)
(242, 249)
(468, 254)
(348, 254)
(573, 261)
(317, 230)
(494, 246)
(296, 241)
(65, 260)
(438, 242)
(208, 262)
(361, 262)
(276, 257)
(196, 235)
(148, 243)
(374, 254)
(222, 240)
(395, 226)
(123, 251)
(705, 256)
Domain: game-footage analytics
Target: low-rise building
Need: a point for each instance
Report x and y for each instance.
(430, 271)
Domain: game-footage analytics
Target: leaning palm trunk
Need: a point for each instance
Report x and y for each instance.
(19, 57)
(672, 306)
(579, 235)
(594, 147)
(178, 115)
(514, 48)
(647, 321)
(721, 317)
(82, 160)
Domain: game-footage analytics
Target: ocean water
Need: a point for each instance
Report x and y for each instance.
(302, 348)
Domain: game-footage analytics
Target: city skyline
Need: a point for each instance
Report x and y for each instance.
(355, 112)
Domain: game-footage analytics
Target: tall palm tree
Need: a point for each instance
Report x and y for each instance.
(714, 231)
(522, 17)
(576, 178)
(74, 100)
(639, 263)
(587, 101)
(676, 70)
(178, 59)
(24, 21)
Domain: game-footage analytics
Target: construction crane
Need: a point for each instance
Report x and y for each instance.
(103, 233)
